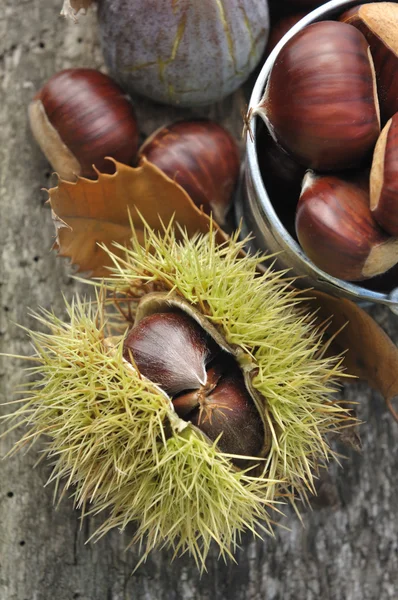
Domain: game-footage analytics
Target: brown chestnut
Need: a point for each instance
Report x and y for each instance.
(202, 157)
(320, 102)
(79, 117)
(378, 21)
(338, 232)
(384, 178)
(224, 408)
(170, 349)
(189, 401)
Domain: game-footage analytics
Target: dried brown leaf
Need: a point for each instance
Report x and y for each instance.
(87, 213)
(370, 353)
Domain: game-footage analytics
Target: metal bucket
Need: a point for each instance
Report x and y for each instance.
(254, 208)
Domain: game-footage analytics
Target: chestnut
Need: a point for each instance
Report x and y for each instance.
(320, 103)
(384, 178)
(226, 410)
(187, 402)
(202, 157)
(337, 231)
(378, 21)
(170, 349)
(79, 117)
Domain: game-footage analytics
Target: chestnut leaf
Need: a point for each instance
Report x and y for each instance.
(88, 213)
(370, 354)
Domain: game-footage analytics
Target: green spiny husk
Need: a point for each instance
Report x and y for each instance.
(113, 435)
(263, 317)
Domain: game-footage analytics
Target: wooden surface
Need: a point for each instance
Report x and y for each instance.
(348, 546)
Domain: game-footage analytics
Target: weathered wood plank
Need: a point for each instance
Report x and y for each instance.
(348, 547)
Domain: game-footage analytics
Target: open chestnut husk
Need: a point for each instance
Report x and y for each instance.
(80, 117)
(378, 21)
(384, 178)
(173, 345)
(337, 231)
(202, 157)
(320, 103)
(117, 438)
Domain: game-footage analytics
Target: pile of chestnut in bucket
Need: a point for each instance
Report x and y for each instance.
(331, 104)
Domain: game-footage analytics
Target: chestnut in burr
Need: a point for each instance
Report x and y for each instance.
(226, 410)
(205, 384)
(170, 349)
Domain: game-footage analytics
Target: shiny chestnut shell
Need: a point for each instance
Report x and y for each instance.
(202, 157)
(229, 411)
(92, 118)
(320, 102)
(170, 349)
(337, 231)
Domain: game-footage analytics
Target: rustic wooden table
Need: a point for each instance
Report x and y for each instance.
(347, 547)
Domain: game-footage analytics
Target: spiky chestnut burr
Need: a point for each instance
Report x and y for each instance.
(115, 437)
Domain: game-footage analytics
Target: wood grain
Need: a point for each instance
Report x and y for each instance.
(348, 547)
